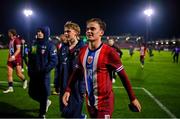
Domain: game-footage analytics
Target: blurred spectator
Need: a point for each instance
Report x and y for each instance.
(175, 53)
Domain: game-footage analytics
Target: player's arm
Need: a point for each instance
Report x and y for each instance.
(66, 95)
(116, 64)
(77, 70)
(126, 83)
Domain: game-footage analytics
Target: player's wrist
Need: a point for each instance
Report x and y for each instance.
(13, 57)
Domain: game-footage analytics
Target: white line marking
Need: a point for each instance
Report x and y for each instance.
(123, 87)
(156, 100)
(160, 104)
(145, 90)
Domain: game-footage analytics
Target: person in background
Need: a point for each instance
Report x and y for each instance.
(175, 53)
(14, 60)
(24, 53)
(97, 61)
(150, 51)
(142, 54)
(42, 59)
(62, 48)
(131, 50)
(112, 43)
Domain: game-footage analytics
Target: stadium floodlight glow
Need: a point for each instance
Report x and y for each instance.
(27, 12)
(148, 12)
(127, 38)
(138, 38)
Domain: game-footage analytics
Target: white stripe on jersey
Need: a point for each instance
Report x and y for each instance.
(120, 68)
(95, 86)
(95, 83)
(18, 46)
(84, 66)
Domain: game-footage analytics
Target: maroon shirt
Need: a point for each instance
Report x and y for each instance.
(13, 44)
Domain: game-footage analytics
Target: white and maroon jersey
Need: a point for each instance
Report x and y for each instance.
(142, 51)
(13, 44)
(98, 65)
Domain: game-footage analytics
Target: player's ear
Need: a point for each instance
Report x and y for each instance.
(101, 32)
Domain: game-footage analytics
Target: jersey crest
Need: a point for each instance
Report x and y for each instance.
(90, 59)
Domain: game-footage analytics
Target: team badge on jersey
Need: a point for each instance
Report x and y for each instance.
(43, 51)
(11, 51)
(90, 59)
(54, 52)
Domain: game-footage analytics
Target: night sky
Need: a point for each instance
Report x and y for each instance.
(121, 16)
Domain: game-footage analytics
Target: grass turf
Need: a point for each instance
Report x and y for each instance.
(160, 77)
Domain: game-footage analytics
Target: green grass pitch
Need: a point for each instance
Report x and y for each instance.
(156, 87)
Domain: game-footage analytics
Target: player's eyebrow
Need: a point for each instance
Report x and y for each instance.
(90, 28)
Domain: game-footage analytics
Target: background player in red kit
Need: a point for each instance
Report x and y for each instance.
(14, 60)
(98, 60)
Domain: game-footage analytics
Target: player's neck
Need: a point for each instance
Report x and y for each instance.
(94, 44)
(73, 44)
(13, 38)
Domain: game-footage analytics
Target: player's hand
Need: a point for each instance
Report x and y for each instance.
(65, 98)
(83, 95)
(136, 103)
(12, 58)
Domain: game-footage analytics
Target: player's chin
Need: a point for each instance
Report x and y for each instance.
(91, 39)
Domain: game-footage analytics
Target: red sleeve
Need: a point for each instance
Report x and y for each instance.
(17, 41)
(126, 83)
(113, 59)
(115, 62)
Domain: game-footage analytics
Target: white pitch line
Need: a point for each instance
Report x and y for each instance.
(160, 104)
(123, 87)
(156, 100)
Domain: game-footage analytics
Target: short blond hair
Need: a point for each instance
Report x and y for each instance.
(13, 31)
(101, 23)
(73, 26)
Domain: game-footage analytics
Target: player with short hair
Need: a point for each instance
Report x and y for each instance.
(97, 61)
(68, 60)
(14, 60)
